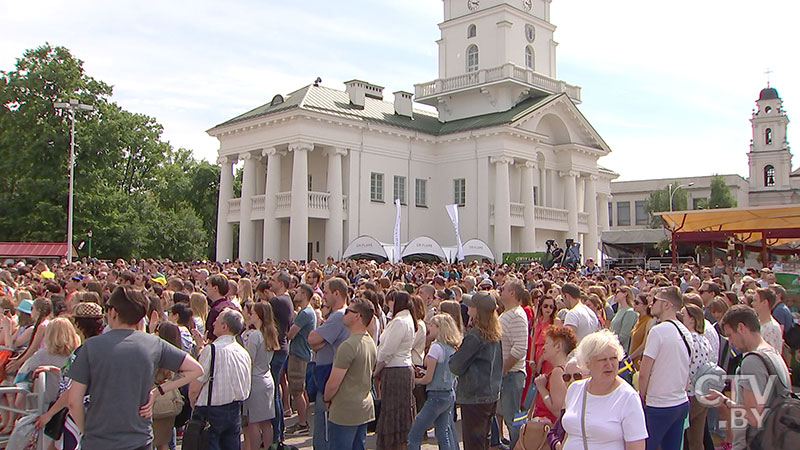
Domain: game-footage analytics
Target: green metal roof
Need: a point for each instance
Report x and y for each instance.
(337, 103)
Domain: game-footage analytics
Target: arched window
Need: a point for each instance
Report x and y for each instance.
(529, 57)
(472, 58)
(768, 136)
(769, 176)
(472, 31)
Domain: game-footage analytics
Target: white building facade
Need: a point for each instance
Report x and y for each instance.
(508, 145)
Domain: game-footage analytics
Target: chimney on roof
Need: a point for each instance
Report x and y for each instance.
(358, 90)
(403, 104)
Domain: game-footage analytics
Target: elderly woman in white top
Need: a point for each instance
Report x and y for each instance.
(603, 412)
(393, 369)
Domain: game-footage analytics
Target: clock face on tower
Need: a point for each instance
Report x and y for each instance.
(473, 4)
(527, 4)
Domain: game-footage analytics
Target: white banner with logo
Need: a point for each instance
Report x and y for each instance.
(452, 211)
(397, 232)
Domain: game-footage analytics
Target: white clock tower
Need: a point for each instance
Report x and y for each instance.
(492, 55)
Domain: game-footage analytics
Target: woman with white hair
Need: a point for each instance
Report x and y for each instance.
(603, 412)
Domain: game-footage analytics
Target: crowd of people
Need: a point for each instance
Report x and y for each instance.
(572, 359)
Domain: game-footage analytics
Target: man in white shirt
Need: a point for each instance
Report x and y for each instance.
(664, 373)
(231, 377)
(579, 318)
(514, 340)
(763, 302)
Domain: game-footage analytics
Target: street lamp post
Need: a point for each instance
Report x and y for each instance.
(71, 107)
(673, 191)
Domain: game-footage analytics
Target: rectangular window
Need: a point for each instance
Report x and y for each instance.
(536, 196)
(610, 214)
(376, 187)
(420, 192)
(460, 191)
(399, 189)
(642, 218)
(623, 213)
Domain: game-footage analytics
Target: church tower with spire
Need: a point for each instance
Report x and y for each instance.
(769, 156)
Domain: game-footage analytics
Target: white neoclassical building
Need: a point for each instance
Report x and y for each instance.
(508, 144)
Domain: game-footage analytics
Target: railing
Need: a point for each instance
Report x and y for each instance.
(318, 200)
(283, 202)
(552, 214)
(583, 218)
(518, 210)
(258, 203)
(506, 71)
(234, 205)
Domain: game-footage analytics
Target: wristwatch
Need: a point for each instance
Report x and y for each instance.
(160, 389)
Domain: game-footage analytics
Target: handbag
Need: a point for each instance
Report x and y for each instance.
(55, 426)
(557, 433)
(168, 405)
(195, 435)
(532, 435)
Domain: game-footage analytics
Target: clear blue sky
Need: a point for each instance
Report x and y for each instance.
(669, 85)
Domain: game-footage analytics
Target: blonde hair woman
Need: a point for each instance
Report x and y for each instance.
(245, 289)
(199, 305)
(439, 381)
(478, 363)
(625, 318)
(261, 341)
(603, 411)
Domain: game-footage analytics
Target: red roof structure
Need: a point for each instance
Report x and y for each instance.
(33, 249)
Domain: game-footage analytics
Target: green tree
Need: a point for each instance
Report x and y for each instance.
(721, 196)
(138, 195)
(658, 201)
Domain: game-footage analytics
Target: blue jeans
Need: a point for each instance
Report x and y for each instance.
(275, 369)
(225, 423)
(665, 426)
(347, 437)
(510, 397)
(321, 441)
(437, 411)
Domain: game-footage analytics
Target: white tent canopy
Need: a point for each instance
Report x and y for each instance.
(476, 247)
(366, 245)
(473, 249)
(424, 245)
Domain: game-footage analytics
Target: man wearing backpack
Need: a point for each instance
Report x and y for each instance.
(761, 376)
(664, 374)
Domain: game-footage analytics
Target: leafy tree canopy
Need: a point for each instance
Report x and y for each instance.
(658, 201)
(138, 195)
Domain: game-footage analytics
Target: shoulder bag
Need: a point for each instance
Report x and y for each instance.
(168, 405)
(195, 435)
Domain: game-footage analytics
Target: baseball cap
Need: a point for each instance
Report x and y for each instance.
(482, 300)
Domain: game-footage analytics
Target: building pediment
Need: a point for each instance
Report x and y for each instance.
(564, 125)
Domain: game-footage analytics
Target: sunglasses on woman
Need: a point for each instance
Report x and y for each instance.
(574, 376)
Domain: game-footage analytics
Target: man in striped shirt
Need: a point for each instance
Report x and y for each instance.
(514, 339)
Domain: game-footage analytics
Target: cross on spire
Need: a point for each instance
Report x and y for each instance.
(767, 73)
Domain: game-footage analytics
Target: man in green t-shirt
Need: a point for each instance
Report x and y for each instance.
(348, 391)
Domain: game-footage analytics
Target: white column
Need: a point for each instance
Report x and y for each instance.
(543, 190)
(529, 232)
(272, 226)
(571, 202)
(247, 229)
(603, 211)
(298, 221)
(334, 227)
(224, 228)
(502, 206)
(592, 236)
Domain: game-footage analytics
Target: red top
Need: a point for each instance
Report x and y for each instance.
(539, 408)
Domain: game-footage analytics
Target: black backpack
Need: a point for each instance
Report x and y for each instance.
(780, 429)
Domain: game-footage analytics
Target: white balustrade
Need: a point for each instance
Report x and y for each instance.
(283, 202)
(234, 205)
(518, 211)
(318, 200)
(551, 214)
(506, 71)
(258, 203)
(583, 218)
